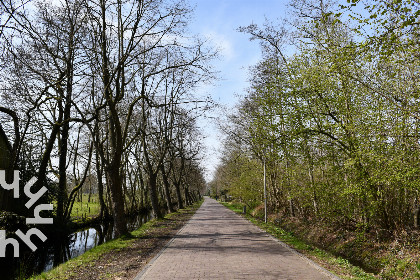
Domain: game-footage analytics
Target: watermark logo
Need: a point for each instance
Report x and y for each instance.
(37, 219)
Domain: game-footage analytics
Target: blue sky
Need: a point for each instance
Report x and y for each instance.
(219, 20)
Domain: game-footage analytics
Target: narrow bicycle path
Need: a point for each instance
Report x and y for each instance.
(219, 244)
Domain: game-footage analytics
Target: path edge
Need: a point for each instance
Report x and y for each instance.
(150, 263)
(294, 251)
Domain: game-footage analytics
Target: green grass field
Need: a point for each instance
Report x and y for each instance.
(84, 208)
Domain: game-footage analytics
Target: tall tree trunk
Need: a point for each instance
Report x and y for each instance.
(167, 189)
(104, 211)
(114, 176)
(179, 195)
(177, 183)
(65, 128)
(142, 191)
(115, 186)
(42, 172)
(187, 196)
(154, 195)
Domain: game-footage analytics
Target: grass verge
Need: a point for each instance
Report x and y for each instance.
(123, 257)
(337, 265)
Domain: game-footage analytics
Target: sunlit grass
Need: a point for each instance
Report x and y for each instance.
(84, 208)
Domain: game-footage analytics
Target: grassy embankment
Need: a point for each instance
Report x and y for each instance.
(387, 262)
(118, 248)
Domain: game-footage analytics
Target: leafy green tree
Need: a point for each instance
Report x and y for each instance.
(336, 122)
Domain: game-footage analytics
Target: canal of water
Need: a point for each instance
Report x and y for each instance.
(54, 252)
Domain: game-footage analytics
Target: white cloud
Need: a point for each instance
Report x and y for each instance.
(222, 43)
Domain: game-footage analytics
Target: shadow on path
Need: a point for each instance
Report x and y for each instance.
(218, 244)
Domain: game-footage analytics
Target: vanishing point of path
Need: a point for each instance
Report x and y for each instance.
(219, 244)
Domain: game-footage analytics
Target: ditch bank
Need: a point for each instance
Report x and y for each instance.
(63, 243)
(348, 254)
(124, 257)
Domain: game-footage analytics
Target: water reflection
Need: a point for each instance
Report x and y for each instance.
(56, 251)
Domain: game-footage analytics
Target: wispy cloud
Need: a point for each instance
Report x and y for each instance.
(221, 43)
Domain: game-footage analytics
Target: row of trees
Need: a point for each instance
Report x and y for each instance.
(337, 123)
(99, 88)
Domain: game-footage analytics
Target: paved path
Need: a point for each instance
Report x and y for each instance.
(218, 244)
